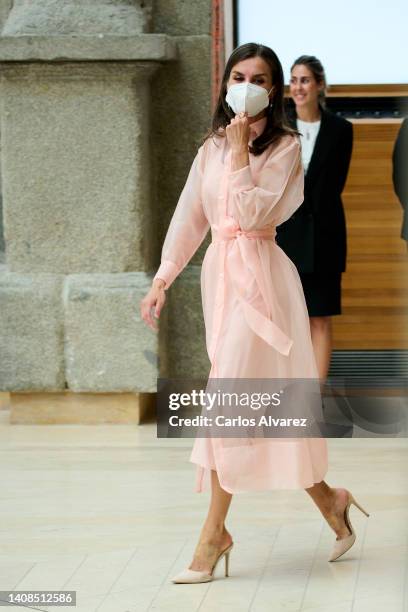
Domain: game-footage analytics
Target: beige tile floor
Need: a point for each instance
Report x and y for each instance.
(110, 511)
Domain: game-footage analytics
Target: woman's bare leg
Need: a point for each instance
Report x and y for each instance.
(214, 536)
(321, 332)
(331, 503)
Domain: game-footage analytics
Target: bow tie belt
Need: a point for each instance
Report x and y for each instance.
(244, 265)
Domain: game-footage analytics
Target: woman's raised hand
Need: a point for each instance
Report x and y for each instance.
(238, 133)
(154, 299)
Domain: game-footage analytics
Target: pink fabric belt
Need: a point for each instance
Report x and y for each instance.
(229, 230)
(244, 264)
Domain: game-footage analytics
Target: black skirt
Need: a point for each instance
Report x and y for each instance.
(322, 293)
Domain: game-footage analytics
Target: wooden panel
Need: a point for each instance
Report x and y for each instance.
(67, 407)
(367, 91)
(375, 284)
(363, 91)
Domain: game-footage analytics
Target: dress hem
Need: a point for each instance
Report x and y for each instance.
(200, 471)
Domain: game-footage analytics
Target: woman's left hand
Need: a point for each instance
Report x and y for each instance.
(238, 133)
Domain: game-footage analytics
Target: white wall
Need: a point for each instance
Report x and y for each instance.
(360, 41)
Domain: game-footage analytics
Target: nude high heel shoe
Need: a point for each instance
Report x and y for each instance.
(343, 545)
(189, 576)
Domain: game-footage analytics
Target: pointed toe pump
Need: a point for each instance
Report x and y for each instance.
(343, 545)
(189, 576)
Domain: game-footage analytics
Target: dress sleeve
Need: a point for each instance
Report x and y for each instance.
(188, 226)
(276, 194)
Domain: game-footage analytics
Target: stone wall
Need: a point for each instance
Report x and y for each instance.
(5, 6)
(181, 106)
(103, 106)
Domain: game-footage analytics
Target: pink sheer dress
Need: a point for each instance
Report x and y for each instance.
(255, 313)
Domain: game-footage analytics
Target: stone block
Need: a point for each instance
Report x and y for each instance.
(2, 243)
(53, 48)
(181, 98)
(31, 333)
(185, 331)
(68, 17)
(75, 167)
(5, 7)
(108, 347)
(182, 17)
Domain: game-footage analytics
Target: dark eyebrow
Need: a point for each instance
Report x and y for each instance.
(255, 75)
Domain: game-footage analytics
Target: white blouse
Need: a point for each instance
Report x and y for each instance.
(308, 131)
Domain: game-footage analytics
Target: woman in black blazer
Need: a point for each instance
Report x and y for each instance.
(400, 174)
(315, 236)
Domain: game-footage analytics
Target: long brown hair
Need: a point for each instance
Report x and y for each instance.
(276, 125)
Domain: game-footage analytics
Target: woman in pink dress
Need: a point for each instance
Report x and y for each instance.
(246, 179)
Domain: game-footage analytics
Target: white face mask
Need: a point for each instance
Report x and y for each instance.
(247, 97)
